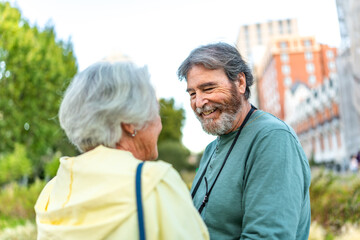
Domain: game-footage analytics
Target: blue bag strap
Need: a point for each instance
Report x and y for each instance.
(139, 202)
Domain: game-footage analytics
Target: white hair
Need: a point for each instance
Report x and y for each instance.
(102, 97)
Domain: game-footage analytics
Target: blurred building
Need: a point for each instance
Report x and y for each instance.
(348, 64)
(253, 40)
(314, 115)
(289, 60)
(297, 81)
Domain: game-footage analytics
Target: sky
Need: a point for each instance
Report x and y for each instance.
(161, 34)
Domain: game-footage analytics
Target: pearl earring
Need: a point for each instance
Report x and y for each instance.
(134, 134)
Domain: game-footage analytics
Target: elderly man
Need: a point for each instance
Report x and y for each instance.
(253, 180)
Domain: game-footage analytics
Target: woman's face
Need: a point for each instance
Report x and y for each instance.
(147, 139)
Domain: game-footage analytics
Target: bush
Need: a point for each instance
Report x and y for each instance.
(17, 203)
(174, 153)
(26, 231)
(15, 165)
(52, 166)
(335, 200)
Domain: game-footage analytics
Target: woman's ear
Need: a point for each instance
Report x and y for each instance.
(241, 82)
(128, 128)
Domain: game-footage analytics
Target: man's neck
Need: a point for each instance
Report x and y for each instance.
(241, 115)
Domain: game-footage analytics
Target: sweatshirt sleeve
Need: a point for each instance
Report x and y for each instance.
(170, 203)
(275, 187)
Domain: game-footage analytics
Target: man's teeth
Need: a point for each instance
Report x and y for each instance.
(208, 112)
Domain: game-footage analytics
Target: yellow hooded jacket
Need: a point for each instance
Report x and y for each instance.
(93, 197)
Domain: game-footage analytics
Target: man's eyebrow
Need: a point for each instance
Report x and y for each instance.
(202, 86)
(208, 84)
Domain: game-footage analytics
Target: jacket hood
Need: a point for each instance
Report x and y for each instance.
(93, 193)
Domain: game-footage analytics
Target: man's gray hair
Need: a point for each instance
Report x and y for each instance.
(218, 56)
(102, 97)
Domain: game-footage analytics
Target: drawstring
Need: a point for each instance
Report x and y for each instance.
(206, 197)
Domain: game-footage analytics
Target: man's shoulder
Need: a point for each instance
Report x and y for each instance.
(268, 121)
(265, 123)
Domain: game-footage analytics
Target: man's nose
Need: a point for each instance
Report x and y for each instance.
(201, 100)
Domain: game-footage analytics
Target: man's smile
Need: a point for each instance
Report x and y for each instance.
(208, 112)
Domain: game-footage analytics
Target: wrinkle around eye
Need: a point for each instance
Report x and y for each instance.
(208, 89)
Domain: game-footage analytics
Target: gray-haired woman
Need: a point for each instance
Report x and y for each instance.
(110, 113)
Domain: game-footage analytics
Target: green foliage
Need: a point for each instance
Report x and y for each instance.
(52, 166)
(335, 200)
(17, 202)
(34, 70)
(174, 153)
(14, 165)
(10, 222)
(172, 120)
(169, 144)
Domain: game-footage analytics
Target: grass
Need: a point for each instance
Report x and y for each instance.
(335, 206)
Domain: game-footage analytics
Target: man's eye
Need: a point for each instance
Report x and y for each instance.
(208, 89)
(192, 94)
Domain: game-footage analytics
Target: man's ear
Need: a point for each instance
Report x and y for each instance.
(241, 82)
(128, 128)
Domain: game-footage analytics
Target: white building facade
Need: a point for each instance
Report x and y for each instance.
(314, 114)
(348, 65)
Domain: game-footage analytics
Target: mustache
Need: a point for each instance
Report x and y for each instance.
(206, 108)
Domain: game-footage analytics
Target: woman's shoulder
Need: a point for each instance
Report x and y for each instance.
(156, 174)
(158, 169)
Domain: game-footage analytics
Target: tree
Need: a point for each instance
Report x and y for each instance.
(170, 147)
(15, 165)
(172, 119)
(174, 153)
(35, 68)
(51, 167)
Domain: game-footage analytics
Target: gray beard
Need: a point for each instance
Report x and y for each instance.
(220, 126)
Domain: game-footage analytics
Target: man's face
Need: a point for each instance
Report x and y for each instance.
(215, 100)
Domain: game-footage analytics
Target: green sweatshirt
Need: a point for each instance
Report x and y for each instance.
(263, 189)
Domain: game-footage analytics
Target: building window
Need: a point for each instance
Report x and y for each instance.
(308, 55)
(270, 28)
(287, 81)
(247, 43)
(247, 40)
(246, 32)
(284, 57)
(315, 94)
(330, 54)
(331, 65)
(289, 26)
(285, 69)
(283, 45)
(338, 138)
(312, 79)
(281, 27)
(307, 43)
(310, 67)
(258, 29)
(322, 144)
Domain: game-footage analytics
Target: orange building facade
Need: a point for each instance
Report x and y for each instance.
(289, 60)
